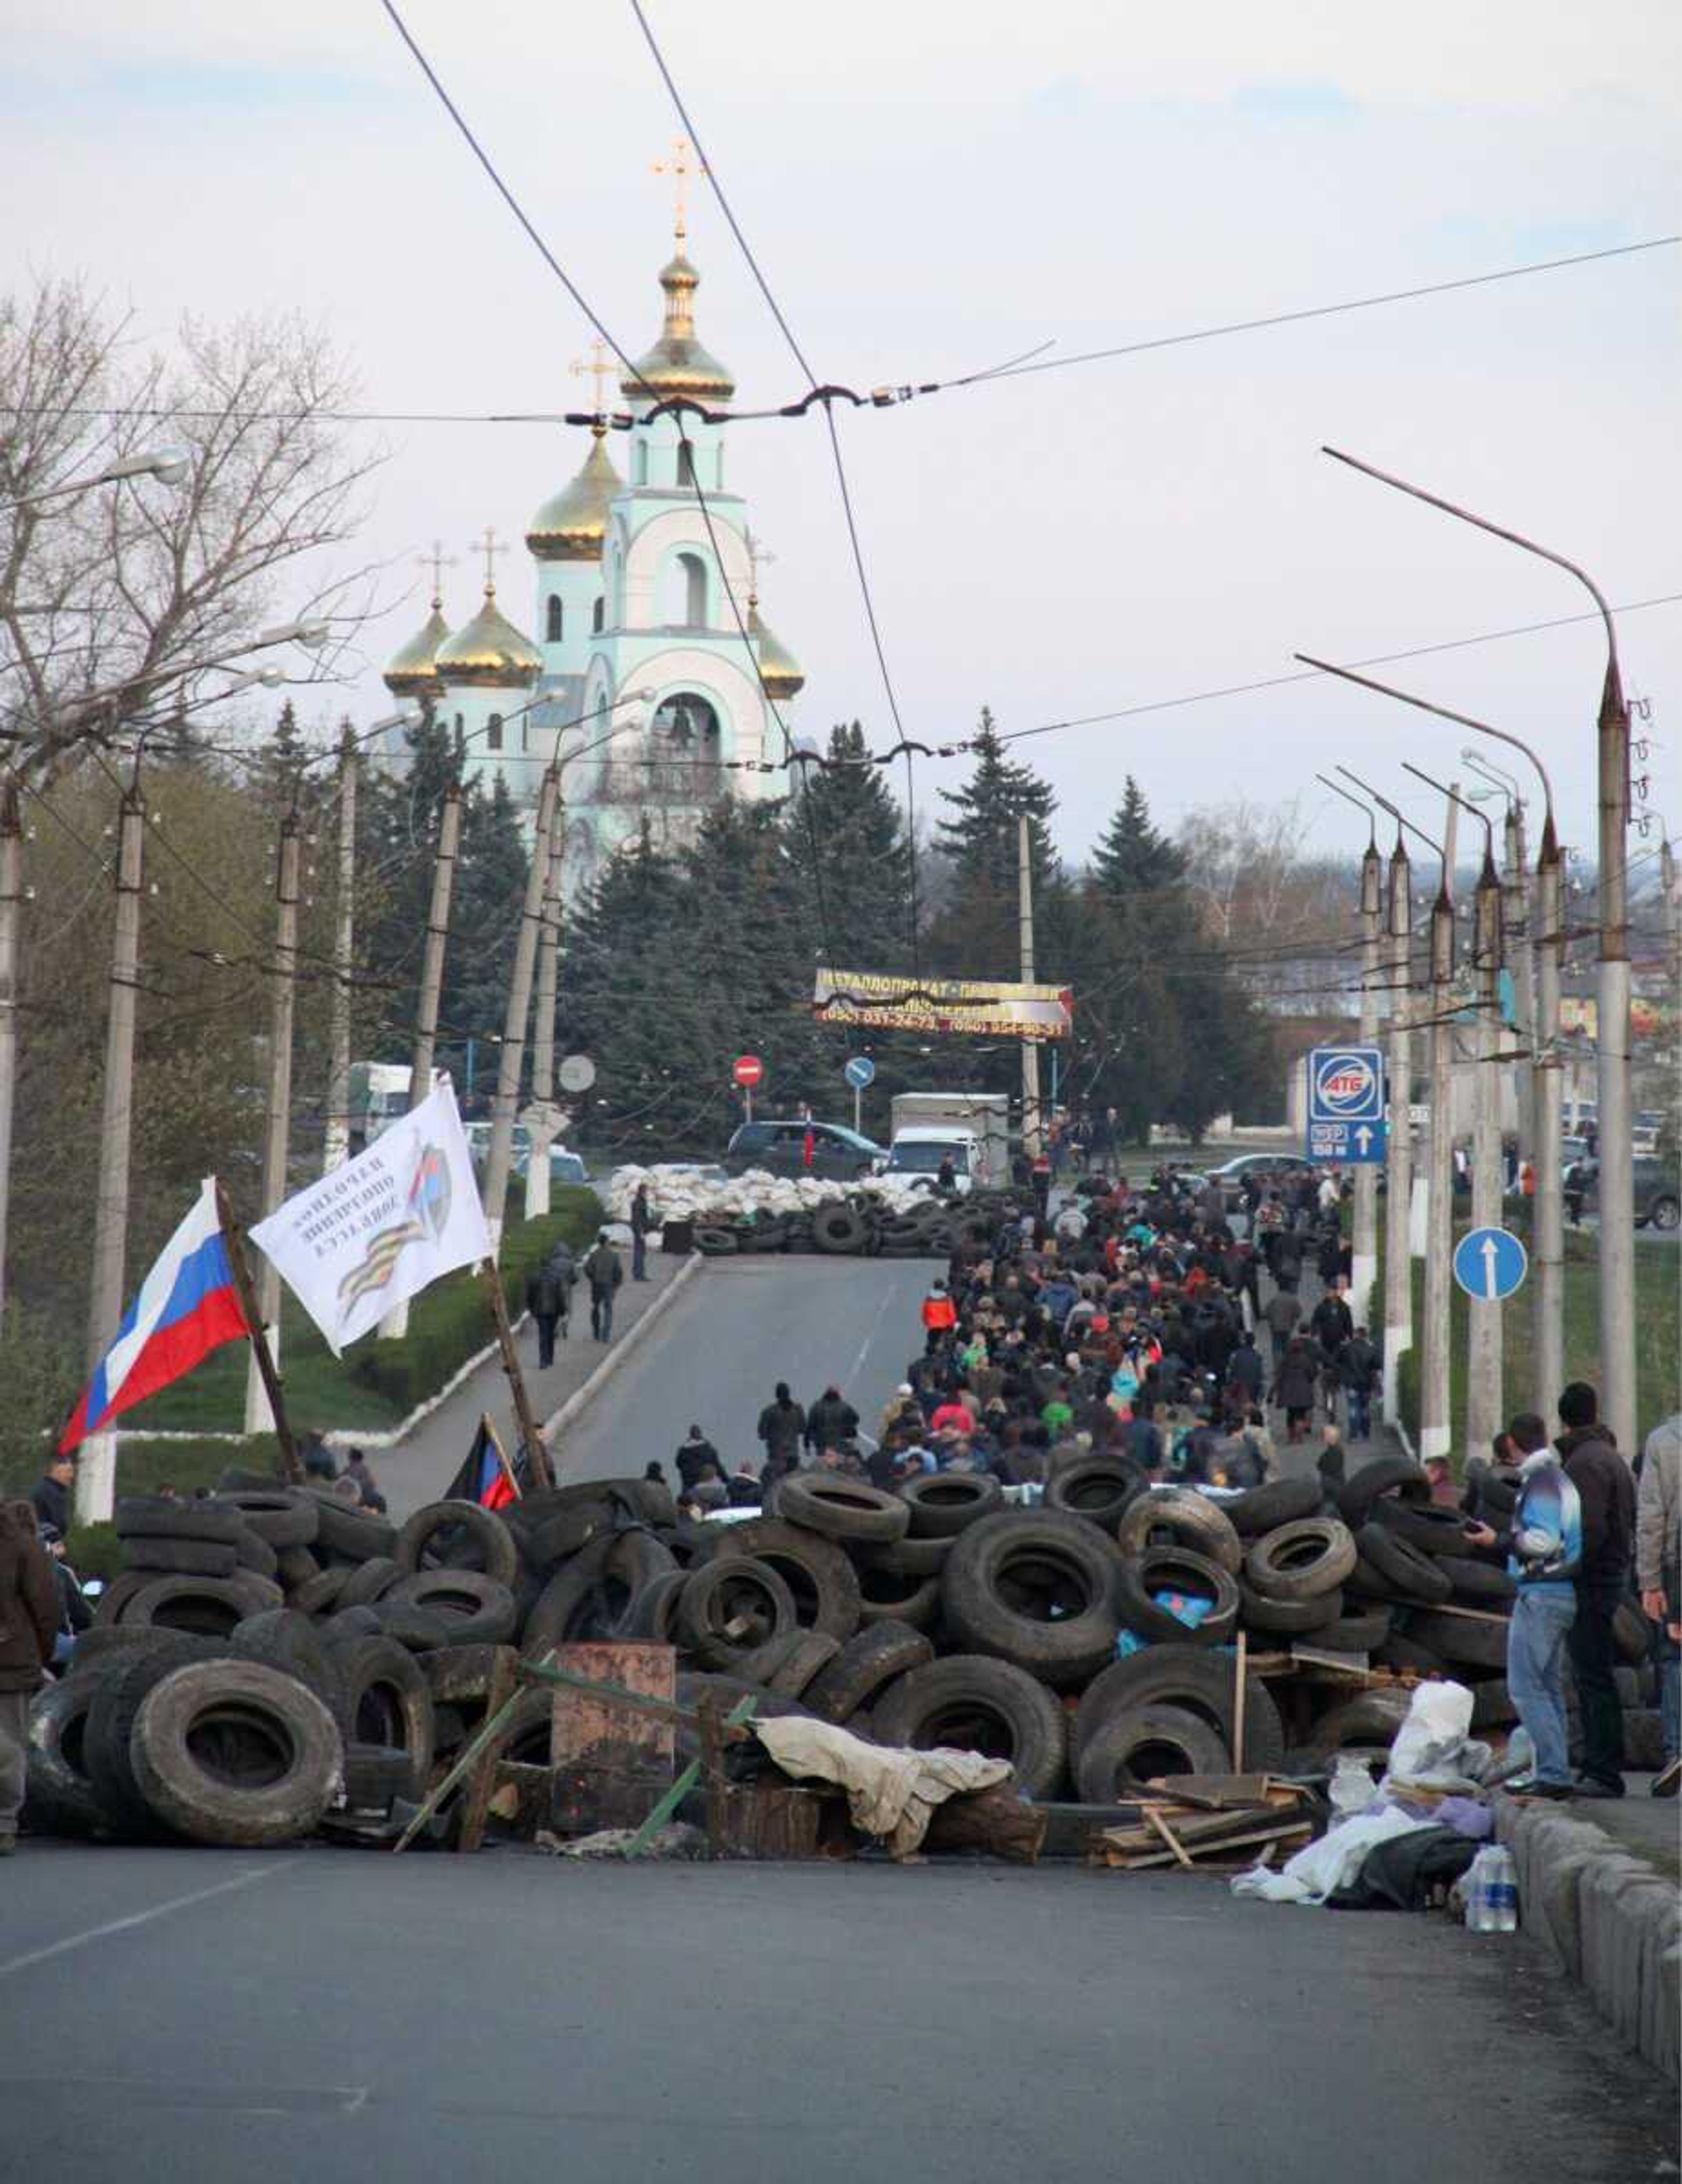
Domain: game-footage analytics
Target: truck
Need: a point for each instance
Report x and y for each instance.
(970, 1129)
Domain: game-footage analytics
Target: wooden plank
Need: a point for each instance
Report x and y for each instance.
(463, 1766)
(1161, 1826)
(1315, 1657)
(1296, 1833)
(542, 1672)
(1213, 1793)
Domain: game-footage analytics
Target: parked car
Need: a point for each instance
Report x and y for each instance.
(838, 1153)
(1280, 1167)
(1658, 1191)
(564, 1166)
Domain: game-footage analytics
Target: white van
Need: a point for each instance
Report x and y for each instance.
(919, 1152)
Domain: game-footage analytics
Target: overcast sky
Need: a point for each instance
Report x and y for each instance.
(933, 186)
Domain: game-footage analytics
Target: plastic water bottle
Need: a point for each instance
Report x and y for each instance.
(1492, 1891)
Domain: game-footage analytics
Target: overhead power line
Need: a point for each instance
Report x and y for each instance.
(885, 397)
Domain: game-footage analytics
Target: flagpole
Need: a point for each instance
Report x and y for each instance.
(246, 1290)
(537, 1456)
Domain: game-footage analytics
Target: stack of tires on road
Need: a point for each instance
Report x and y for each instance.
(272, 1661)
(861, 1225)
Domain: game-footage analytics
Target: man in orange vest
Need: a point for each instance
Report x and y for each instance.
(939, 1316)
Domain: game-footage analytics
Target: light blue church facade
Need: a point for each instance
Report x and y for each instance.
(637, 671)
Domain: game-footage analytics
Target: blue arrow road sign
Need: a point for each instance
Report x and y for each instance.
(1346, 1084)
(860, 1072)
(1490, 1263)
(1348, 1145)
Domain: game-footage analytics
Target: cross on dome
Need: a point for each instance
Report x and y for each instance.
(678, 167)
(598, 365)
(490, 547)
(437, 561)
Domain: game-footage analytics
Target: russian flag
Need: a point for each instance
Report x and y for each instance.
(186, 1308)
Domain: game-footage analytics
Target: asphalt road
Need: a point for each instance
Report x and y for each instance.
(737, 1328)
(179, 2015)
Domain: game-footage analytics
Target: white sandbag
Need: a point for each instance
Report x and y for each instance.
(1321, 1869)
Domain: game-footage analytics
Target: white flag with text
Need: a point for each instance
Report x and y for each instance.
(382, 1226)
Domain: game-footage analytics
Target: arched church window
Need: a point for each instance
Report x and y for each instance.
(686, 722)
(494, 732)
(685, 462)
(556, 622)
(596, 616)
(694, 590)
(641, 469)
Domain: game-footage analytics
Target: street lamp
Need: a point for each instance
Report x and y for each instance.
(1614, 1117)
(1547, 941)
(168, 465)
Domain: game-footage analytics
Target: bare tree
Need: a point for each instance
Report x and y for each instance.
(1280, 915)
(112, 599)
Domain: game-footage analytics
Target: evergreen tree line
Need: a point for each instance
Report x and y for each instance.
(680, 960)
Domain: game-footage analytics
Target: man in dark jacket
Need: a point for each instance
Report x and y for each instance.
(1331, 1323)
(29, 1623)
(782, 1427)
(549, 1299)
(642, 1220)
(1607, 1491)
(1357, 1362)
(692, 1458)
(1245, 1370)
(51, 1495)
(605, 1272)
(831, 1422)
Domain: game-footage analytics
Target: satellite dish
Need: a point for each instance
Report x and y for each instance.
(577, 1074)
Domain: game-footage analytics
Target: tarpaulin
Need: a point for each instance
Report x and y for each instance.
(890, 1793)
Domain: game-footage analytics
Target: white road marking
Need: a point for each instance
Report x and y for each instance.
(888, 1297)
(142, 1918)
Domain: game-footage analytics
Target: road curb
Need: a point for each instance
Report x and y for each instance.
(581, 1398)
(1607, 1920)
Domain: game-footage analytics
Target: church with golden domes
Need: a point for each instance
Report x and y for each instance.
(636, 675)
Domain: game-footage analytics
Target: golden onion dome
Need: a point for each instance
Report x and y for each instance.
(572, 526)
(411, 672)
(780, 672)
(489, 649)
(677, 364)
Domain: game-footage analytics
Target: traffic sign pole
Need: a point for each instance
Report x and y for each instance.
(1484, 1378)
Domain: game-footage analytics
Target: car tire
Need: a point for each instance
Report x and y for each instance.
(1102, 1489)
(861, 1668)
(203, 1606)
(944, 1503)
(386, 1699)
(369, 1582)
(1177, 1569)
(1279, 1502)
(479, 1610)
(1286, 1618)
(1124, 1751)
(1410, 1573)
(1298, 1561)
(842, 1508)
(1039, 1590)
(1462, 1641)
(457, 1536)
(1358, 1497)
(60, 1796)
(283, 1517)
(972, 1703)
(1186, 1676)
(1185, 1516)
(230, 1753)
(167, 1557)
(818, 1572)
(732, 1589)
(157, 1516)
(110, 1719)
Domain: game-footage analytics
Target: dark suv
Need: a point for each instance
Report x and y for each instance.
(838, 1153)
(1658, 1195)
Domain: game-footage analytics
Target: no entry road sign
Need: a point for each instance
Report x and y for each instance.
(748, 1071)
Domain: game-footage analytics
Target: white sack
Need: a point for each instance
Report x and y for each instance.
(890, 1793)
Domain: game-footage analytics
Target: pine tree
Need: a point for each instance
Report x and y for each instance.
(976, 936)
(485, 919)
(847, 835)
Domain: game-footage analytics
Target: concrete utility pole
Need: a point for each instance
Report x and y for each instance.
(513, 1059)
(395, 1325)
(11, 919)
(1364, 1255)
(336, 1148)
(1615, 1119)
(1032, 1138)
(1613, 1065)
(96, 1472)
(1520, 957)
(1399, 1161)
(1547, 1230)
(543, 1029)
(1435, 1431)
(259, 1417)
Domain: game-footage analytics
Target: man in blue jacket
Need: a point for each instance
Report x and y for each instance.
(1544, 1551)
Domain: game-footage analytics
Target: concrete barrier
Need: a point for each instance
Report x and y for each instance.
(1607, 1920)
